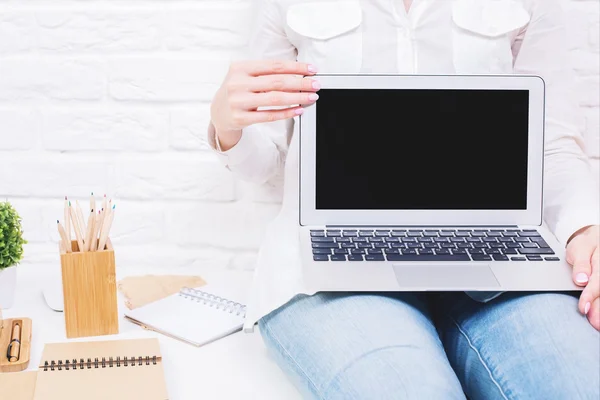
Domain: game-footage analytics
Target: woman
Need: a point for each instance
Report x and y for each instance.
(413, 345)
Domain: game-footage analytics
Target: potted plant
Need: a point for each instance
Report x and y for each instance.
(11, 252)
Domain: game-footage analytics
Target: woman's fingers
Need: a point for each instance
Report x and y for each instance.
(282, 83)
(579, 252)
(257, 117)
(251, 101)
(594, 314)
(273, 67)
(592, 291)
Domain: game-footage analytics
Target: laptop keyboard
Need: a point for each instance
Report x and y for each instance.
(430, 245)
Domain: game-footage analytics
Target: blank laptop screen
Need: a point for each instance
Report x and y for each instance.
(397, 149)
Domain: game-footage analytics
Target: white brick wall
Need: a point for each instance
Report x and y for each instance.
(112, 96)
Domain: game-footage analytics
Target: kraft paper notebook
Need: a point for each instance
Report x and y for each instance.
(119, 369)
(194, 316)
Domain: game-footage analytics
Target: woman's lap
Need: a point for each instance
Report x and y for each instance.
(329, 343)
(521, 346)
(386, 346)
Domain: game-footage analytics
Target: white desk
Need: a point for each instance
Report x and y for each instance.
(235, 367)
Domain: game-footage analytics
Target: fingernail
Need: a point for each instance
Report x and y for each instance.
(313, 96)
(581, 278)
(299, 111)
(312, 68)
(587, 308)
(316, 85)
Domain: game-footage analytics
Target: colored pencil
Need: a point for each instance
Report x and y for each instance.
(89, 232)
(106, 228)
(64, 243)
(76, 227)
(67, 222)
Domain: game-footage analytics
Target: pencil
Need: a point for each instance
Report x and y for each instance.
(65, 244)
(106, 228)
(76, 227)
(94, 245)
(92, 202)
(80, 217)
(104, 203)
(67, 222)
(90, 230)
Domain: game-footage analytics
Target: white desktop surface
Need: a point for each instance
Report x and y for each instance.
(235, 367)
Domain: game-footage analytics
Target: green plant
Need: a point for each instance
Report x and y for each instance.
(11, 236)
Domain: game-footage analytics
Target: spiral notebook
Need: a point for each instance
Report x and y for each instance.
(115, 369)
(194, 316)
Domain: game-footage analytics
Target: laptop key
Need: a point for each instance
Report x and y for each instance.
(428, 257)
(530, 245)
(459, 251)
(534, 258)
(521, 239)
(510, 234)
(409, 252)
(320, 257)
(536, 251)
(348, 246)
(481, 257)
(500, 257)
(552, 259)
(518, 259)
(340, 251)
(358, 251)
(527, 233)
(355, 258)
(513, 245)
(317, 234)
(510, 251)
(338, 257)
(322, 240)
(442, 251)
(375, 257)
(321, 251)
(325, 246)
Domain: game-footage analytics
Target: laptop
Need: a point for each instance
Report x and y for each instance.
(418, 183)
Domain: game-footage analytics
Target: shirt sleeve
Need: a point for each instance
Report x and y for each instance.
(570, 189)
(260, 154)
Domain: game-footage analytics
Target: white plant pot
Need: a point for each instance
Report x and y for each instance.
(8, 284)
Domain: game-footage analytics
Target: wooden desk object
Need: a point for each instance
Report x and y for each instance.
(89, 292)
(6, 331)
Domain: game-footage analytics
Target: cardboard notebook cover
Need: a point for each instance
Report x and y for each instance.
(17, 385)
(120, 369)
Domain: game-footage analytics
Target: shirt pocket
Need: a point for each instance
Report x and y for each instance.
(327, 34)
(483, 31)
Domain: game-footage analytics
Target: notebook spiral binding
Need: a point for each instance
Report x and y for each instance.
(211, 300)
(118, 362)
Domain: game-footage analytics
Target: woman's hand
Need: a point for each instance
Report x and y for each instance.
(253, 84)
(583, 252)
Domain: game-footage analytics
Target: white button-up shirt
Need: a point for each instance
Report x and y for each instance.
(434, 37)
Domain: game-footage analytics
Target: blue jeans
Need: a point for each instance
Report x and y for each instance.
(436, 346)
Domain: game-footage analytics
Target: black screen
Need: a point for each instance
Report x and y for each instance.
(396, 149)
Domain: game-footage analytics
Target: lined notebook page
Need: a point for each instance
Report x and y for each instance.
(98, 382)
(192, 315)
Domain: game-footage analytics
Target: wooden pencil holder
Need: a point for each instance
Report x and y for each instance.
(89, 292)
(6, 330)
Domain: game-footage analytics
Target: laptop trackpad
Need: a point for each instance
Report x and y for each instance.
(442, 277)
